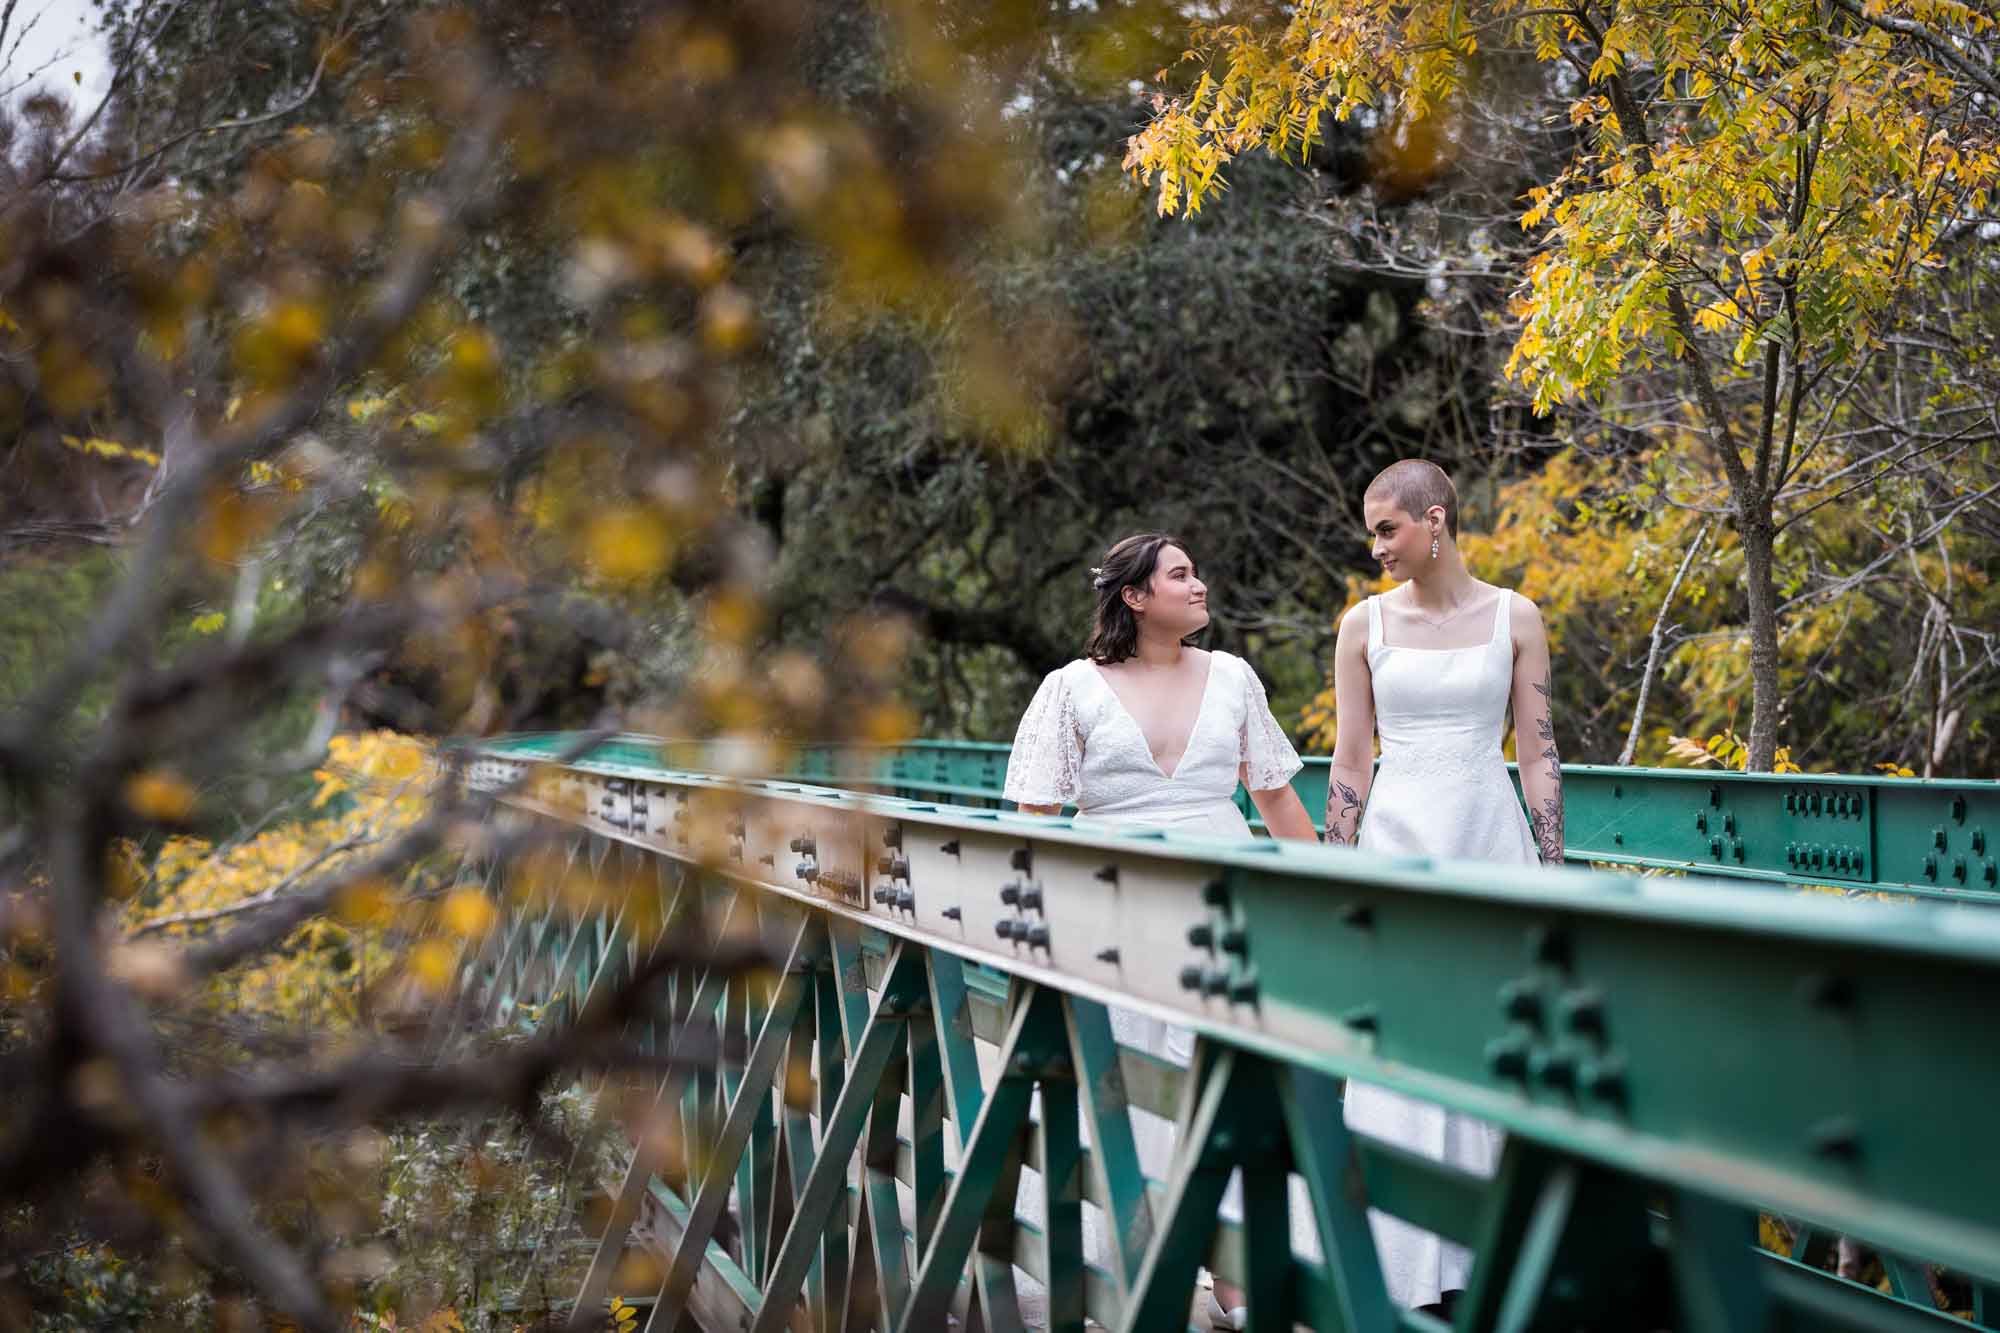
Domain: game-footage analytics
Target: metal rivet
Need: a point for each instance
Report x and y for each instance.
(1826, 991)
(1358, 915)
(1507, 1057)
(1109, 875)
(1107, 956)
(1201, 935)
(1836, 1136)
(1190, 977)
(1581, 1010)
(1546, 944)
(1233, 940)
(1603, 1078)
(892, 836)
(1937, 837)
(1364, 1019)
(1215, 893)
(1243, 991)
(949, 848)
(950, 914)
(1554, 1068)
(1004, 927)
(1521, 1000)
(1020, 859)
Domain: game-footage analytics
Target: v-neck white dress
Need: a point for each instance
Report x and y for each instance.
(1078, 745)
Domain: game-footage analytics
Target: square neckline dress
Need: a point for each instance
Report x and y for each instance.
(1441, 790)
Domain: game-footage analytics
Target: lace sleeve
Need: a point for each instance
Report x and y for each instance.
(1046, 767)
(1268, 757)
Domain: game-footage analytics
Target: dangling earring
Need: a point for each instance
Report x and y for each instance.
(1434, 546)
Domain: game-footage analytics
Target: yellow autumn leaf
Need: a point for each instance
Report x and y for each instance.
(628, 544)
(432, 963)
(366, 902)
(469, 913)
(159, 794)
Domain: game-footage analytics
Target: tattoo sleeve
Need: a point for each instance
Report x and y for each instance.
(1547, 822)
(1343, 829)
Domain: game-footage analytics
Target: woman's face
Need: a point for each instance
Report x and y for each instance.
(1176, 600)
(1399, 543)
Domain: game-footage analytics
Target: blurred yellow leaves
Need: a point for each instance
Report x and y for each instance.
(468, 913)
(159, 794)
(231, 522)
(101, 448)
(274, 347)
(371, 787)
(432, 963)
(728, 321)
(366, 902)
(628, 543)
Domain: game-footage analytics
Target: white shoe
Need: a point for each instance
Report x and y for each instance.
(1237, 1317)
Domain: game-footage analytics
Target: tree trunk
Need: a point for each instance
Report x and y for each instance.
(1759, 534)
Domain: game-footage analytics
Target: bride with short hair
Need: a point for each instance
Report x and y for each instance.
(1432, 668)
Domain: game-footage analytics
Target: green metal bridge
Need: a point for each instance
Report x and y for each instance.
(1672, 1056)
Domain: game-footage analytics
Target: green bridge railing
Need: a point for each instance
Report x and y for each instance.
(931, 1100)
(1908, 836)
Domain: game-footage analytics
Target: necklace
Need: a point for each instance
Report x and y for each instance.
(1444, 620)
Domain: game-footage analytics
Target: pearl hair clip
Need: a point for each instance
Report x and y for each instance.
(1097, 579)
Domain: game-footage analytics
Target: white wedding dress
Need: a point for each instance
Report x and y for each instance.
(1077, 745)
(1442, 790)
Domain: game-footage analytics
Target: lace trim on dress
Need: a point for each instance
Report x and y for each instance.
(1046, 766)
(1268, 757)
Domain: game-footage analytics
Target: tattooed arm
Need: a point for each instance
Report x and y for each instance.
(1354, 743)
(1535, 732)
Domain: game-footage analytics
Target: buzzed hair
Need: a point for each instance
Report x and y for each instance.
(1416, 485)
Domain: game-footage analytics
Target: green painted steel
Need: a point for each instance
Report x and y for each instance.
(1907, 836)
(1703, 1049)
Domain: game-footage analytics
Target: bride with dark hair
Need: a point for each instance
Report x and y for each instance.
(1147, 730)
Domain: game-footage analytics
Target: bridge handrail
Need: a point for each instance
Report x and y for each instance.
(1913, 837)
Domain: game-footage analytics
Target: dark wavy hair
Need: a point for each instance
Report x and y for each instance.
(1130, 563)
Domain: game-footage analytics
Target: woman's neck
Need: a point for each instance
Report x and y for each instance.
(1444, 588)
(1158, 650)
